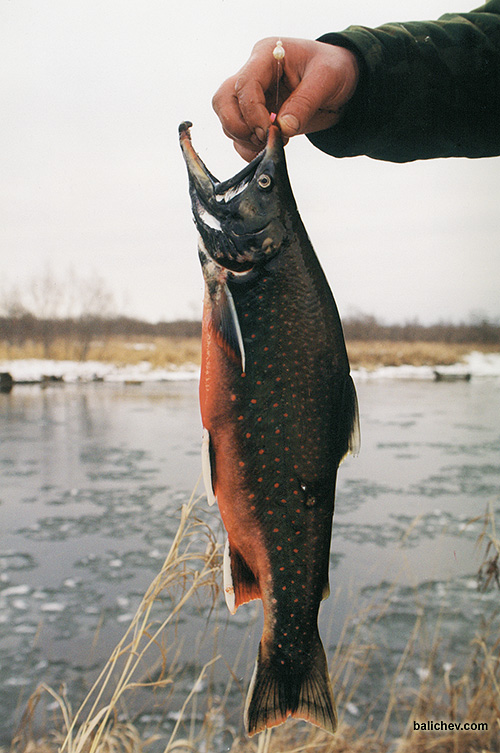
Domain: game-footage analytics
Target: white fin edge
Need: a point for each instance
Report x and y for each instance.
(355, 436)
(234, 316)
(206, 467)
(228, 580)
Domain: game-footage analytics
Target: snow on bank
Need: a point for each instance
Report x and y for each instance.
(41, 370)
(474, 365)
(33, 371)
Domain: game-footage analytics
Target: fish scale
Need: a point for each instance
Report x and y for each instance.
(279, 410)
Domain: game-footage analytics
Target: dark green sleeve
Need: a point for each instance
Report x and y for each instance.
(427, 89)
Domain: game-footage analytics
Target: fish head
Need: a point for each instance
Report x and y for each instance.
(244, 221)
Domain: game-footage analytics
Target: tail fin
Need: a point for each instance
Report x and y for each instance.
(277, 692)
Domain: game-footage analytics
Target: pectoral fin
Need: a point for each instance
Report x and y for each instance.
(226, 326)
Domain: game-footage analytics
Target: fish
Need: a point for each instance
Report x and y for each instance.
(279, 413)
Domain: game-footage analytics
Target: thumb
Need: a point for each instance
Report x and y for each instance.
(301, 106)
(289, 124)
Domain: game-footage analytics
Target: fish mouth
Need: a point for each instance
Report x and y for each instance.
(235, 224)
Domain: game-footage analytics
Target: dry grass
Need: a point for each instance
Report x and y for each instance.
(172, 352)
(160, 352)
(370, 354)
(191, 571)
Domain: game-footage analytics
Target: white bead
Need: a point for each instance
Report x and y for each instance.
(279, 51)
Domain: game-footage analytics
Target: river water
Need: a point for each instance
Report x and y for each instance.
(92, 478)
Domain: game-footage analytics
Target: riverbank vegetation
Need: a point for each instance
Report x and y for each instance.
(145, 664)
(126, 341)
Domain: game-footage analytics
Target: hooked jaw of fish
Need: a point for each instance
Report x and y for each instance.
(240, 221)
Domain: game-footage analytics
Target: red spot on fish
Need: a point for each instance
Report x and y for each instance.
(276, 530)
(240, 418)
(241, 464)
(276, 485)
(261, 452)
(270, 512)
(279, 548)
(253, 401)
(233, 397)
(248, 435)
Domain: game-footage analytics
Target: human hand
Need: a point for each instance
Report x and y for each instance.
(317, 80)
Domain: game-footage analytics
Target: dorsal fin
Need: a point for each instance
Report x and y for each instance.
(355, 435)
(351, 440)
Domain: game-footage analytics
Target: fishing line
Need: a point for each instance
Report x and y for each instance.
(278, 55)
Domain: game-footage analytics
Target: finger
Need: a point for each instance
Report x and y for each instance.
(245, 147)
(225, 103)
(304, 107)
(253, 84)
(252, 104)
(246, 152)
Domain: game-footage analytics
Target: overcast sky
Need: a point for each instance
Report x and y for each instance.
(92, 179)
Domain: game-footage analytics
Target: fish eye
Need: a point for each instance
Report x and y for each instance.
(264, 181)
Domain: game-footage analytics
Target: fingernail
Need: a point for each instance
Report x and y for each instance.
(260, 133)
(290, 123)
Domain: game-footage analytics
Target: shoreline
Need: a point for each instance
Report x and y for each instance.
(166, 360)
